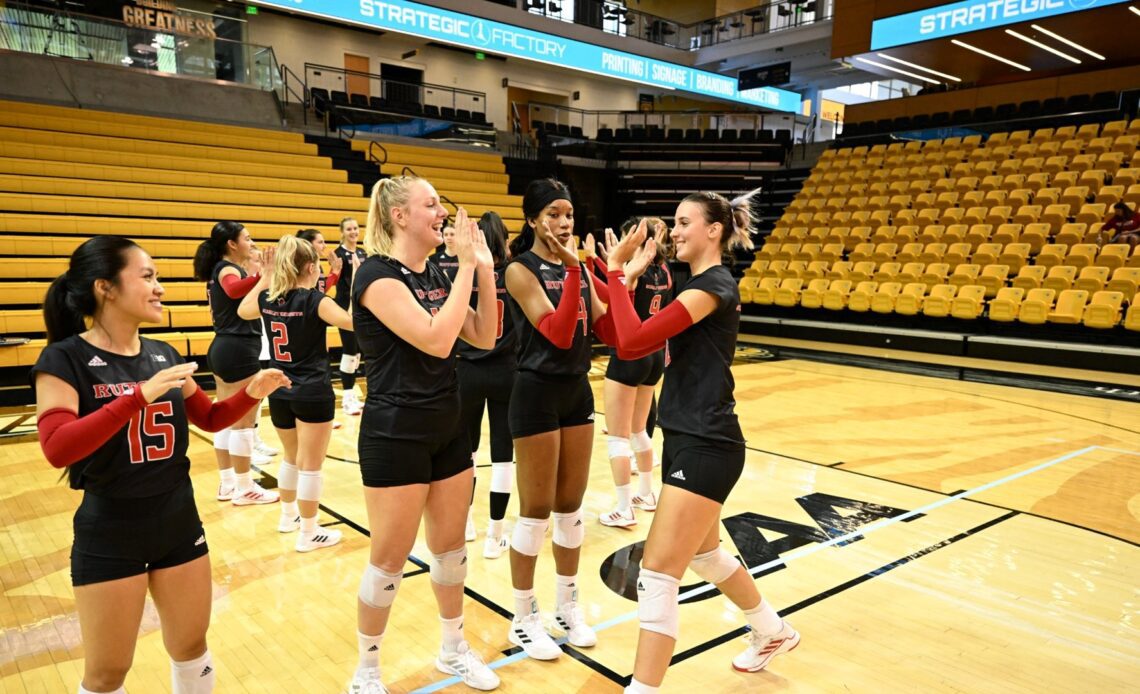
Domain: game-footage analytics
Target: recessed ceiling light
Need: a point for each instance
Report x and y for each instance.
(1064, 40)
(975, 49)
(1134, 10)
(1042, 46)
(895, 69)
(918, 67)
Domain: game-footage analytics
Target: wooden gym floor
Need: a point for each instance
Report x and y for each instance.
(922, 534)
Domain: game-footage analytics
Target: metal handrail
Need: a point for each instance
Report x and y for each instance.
(373, 157)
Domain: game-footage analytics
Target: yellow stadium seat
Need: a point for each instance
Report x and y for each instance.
(1081, 255)
(909, 301)
(1125, 280)
(831, 252)
(968, 303)
(910, 272)
(1108, 196)
(886, 272)
(1006, 305)
(978, 234)
(1070, 306)
(965, 273)
(931, 233)
(788, 293)
(1132, 318)
(807, 252)
(862, 271)
(794, 268)
(1015, 256)
(986, 254)
(935, 273)
(765, 293)
(993, 278)
(933, 253)
(1134, 257)
(835, 298)
(946, 200)
(956, 254)
(1075, 196)
(955, 233)
(975, 215)
(1030, 277)
(812, 295)
(1036, 306)
(1042, 135)
(861, 252)
(774, 269)
(928, 216)
(884, 234)
(952, 215)
(1006, 234)
(909, 253)
(1091, 279)
(963, 185)
(1056, 216)
(860, 299)
(883, 300)
(938, 302)
(1103, 311)
(884, 252)
(839, 270)
(815, 270)
(1113, 255)
(1060, 278)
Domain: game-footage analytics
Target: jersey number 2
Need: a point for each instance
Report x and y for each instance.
(146, 422)
(280, 339)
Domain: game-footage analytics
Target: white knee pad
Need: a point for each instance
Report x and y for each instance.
(222, 439)
(640, 442)
(241, 442)
(528, 535)
(378, 588)
(714, 566)
(286, 475)
(657, 602)
(569, 529)
(502, 475)
(309, 485)
(449, 568)
(349, 363)
(618, 447)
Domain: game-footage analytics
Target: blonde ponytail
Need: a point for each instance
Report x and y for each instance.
(742, 221)
(734, 217)
(293, 254)
(386, 194)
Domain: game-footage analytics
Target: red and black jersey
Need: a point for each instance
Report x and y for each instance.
(344, 283)
(697, 397)
(322, 283)
(296, 335)
(448, 263)
(409, 391)
(654, 290)
(147, 456)
(538, 354)
(506, 337)
(223, 309)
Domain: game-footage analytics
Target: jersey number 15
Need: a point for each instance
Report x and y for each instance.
(146, 422)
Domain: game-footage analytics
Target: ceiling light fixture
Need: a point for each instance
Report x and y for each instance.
(1042, 46)
(1064, 40)
(1134, 10)
(975, 49)
(918, 67)
(895, 69)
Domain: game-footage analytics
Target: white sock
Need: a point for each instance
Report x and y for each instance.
(623, 498)
(120, 690)
(636, 687)
(644, 484)
(524, 603)
(369, 647)
(308, 525)
(193, 676)
(228, 477)
(763, 619)
(452, 633)
(244, 481)
(495, 528)
(289, 509)
(567, 590)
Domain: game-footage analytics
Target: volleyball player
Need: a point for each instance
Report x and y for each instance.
(551, 411)
(485, 380)
(112, 409)
(262, 452)
(351, 257)
(415, 457)
(446, 259)
(233, 353)
(629, 389)
(295, 314)
(703, 443)
(325, 283)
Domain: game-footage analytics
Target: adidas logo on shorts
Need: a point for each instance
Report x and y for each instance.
(96, 361)
(200, 541)
(590, 418)
(678, 475)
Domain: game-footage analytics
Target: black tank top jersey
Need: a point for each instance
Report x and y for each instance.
(697, 397)
(448, 263)
(147, 456)
(223, 309)
(344, 283)
(409, 391)
(296, 337)
(506, 338)
(654, 291)
(536, 353)
(322, 283)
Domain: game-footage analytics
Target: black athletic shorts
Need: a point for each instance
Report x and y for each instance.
(118, 538)
(487, 385)
(348, 343)
(285, 413)
(645, 371)
(394, 462)
(699, 465)
(548, 403)
(234, 358)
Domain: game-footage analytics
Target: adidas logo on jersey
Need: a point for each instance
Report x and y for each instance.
(543, 266)
(678, 475)
(96, 361)
(405, 270)
(158, 357)
(200, 541)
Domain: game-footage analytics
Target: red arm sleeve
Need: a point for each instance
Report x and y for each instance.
(558, 325)
(215, 416)
(601, 288)
(236, 288)
(330, 281)
(66, 438)
(635, 336)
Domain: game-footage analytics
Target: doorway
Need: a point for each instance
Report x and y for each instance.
(357, 84)
(518, 98)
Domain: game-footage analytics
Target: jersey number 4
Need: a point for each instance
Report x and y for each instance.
(146, 423)
(280, 341)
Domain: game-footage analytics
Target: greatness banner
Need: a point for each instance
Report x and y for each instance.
(485, 35)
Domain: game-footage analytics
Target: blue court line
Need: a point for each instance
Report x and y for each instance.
(800, 553)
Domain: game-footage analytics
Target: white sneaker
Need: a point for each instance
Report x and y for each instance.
(254, 496)
(262, 448)
(367, 681)
(493, 547)
(572, 622)
(532, 637)
(285, 524)
(645, 503)
(226, 491)
(467, 664)
(351, 404)
(321, 538)
(617, 519)
(469, 534)
(761, 649)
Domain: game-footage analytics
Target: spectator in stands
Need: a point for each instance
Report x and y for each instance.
(1125, 222)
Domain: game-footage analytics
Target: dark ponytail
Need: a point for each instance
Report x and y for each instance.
(495, 232)
(211, 251)
(538, 195)
(71, 296)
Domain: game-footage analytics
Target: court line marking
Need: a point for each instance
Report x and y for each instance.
(800, 553)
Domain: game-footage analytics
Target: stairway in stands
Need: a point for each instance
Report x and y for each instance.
(347, 159)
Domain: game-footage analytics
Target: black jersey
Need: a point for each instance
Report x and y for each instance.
(409, 391)
(697, 397)
(506, 338)
(448, 263)
(538, 354)
(296, 337)
(344, 283)
(654, 291)
(147, 456)
(323, 283)
(223, 309)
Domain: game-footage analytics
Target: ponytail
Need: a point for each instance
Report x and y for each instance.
(735, 217)
(293, 254)
(496, 234)
(523, 241)
(211, 251)
(71, 296)
(742, 221)
(388, 193)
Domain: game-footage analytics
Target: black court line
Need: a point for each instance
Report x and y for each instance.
(15, 423)
(830, 592)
